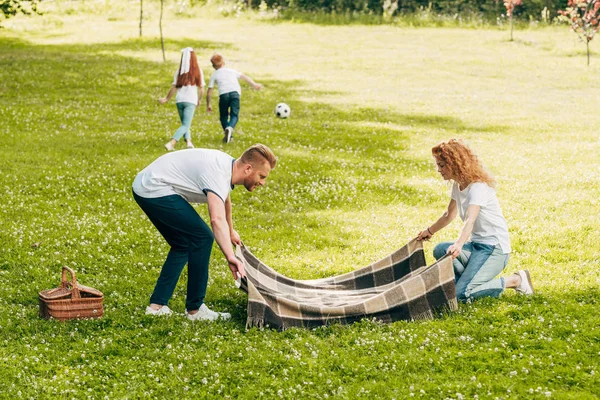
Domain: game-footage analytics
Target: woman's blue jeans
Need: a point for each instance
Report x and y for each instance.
(229, 109)
(191, 242)
(475, 269)
(186, 113)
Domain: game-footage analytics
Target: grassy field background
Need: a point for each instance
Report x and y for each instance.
(354, 181)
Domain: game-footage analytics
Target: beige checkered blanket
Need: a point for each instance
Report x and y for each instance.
(398, 287)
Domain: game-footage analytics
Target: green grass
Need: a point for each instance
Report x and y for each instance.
(354, 181)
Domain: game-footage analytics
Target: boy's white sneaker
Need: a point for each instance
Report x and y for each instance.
(206, 314)
(228, 134)
(525, 287)
(169, 146)
(164, 310)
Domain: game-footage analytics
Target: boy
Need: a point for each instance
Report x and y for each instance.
(229, 94)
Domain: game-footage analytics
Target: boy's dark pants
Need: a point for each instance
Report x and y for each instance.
(191, 242)
(229, 109)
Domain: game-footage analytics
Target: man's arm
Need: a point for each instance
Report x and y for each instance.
(235, 238)
(220, 227)
(255, 85)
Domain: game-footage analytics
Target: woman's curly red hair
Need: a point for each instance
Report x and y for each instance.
(464, 164)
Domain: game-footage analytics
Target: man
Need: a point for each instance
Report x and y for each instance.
(164, 190)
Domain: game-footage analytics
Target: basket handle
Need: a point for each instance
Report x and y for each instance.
(64, 283)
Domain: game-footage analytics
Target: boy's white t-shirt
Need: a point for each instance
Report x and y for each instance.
(188, 94)
(490, 227)
(191, 173)
(226, 79)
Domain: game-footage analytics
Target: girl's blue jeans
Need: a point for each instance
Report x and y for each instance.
(186, 113)
(475, 269)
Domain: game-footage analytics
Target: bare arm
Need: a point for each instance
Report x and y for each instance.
(200, 94)
(441, 222)
(235, 238)
(172, 91)
(465, 232)
(208, 96)
(255, 85)
(220, 227)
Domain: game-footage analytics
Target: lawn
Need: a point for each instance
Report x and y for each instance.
(354, 181)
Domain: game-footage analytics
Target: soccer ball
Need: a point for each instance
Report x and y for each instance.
(282, 110)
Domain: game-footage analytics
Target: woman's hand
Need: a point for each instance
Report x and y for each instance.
(425, 235)
(454, 250)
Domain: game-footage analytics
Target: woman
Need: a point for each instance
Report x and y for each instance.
(188, 82)
(476, 262)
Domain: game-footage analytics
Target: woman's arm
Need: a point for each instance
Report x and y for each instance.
(465, 232)
(441, 223)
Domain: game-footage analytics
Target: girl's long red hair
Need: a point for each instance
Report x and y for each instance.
(191, 78)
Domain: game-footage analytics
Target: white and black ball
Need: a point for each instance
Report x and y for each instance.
(282, 110)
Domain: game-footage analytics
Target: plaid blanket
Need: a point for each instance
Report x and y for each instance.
(398, 287)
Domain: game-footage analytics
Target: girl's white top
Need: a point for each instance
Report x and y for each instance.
(188, 94)
(190, 173)
(490, 227)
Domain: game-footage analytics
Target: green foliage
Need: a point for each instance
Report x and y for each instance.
(354, 181)
(10, 8)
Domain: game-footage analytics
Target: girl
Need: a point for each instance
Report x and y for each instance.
(188, 82)
(476, 262)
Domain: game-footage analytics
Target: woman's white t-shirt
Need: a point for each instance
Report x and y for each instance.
(188, 94)
(490, 227)
(190, 173)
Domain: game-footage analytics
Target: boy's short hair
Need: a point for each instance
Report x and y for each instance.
(259, 153)
(217, 59)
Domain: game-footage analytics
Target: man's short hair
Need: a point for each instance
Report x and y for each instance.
(259, 153)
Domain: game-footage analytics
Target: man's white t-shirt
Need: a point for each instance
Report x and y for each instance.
(188, 94)
(490, 227)
(191, 173)
(227, 81)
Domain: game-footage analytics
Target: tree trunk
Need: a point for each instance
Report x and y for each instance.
(587, 43)
(141, 15)
(162, 40)
(511, 27)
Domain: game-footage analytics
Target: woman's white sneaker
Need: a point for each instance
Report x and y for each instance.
(525, 287)
(164, 310)
(206, 314)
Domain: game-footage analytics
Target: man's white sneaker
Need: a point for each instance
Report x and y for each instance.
(169, 146)
(525, 287)
(164, 310)
(206, 314)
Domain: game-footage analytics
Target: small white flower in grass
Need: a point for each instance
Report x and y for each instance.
(513, 373)
(459, 396)
(204, 381)
(548, 394)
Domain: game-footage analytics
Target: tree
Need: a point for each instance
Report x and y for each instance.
(10, 8)
(141, 15)
(510, 7)
(582, 16)
(162, 41)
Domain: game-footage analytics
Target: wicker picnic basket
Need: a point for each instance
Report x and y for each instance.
(71, 300)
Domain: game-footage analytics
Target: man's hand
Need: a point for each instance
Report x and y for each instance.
(236, 267)
(235, 237)
(454, 250)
